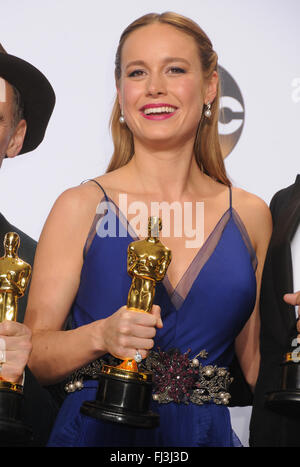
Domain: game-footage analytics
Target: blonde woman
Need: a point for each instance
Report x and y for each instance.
(164, 127)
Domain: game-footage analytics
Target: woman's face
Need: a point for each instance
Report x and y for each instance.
(162, 89)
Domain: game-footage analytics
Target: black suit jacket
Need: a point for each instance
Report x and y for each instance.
(278, 323)
(39, 408)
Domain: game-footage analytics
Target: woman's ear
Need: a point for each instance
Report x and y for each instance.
(17, 139)
(212, 88)
(119, 96)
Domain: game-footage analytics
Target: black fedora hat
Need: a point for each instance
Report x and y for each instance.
(37, 95)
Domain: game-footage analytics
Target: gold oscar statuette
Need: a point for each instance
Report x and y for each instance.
(285, 399)
(14, 278)
(124, 392)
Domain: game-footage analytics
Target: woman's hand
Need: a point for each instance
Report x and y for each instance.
(127, 331)
(15, 345)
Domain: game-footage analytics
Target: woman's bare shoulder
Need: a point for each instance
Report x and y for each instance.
(76, 206)
(254, 213)
(74, 209)
(249, 200)
(117, 180)
(79, 197)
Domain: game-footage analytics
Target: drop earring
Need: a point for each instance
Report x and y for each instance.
(122, 119)
(207, 111)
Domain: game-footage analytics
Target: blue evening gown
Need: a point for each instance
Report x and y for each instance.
(207, 310)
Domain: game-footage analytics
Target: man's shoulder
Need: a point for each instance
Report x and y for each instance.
(282, 196)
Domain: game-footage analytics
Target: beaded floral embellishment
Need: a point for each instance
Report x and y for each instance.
(90, 371)
(176, 378)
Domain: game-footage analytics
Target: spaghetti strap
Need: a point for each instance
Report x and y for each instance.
(97, 183)
(93, 229)
(230, 199)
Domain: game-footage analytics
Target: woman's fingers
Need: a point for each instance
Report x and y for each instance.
(156, 312)
(16, 345)
(13, 328)
(127, 331)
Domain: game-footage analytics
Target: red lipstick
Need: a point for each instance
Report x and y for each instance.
(161, 111)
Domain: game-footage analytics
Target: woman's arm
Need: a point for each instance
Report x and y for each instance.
(55, 280)
(257, 218)
(56, 276)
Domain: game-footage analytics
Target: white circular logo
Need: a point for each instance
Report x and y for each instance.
(232, 112)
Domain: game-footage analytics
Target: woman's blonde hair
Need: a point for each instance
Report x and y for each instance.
(207, 147)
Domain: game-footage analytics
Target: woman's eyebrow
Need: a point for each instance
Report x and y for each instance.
(164, 61)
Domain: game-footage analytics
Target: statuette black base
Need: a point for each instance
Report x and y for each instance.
(286, 402)
(123, 397)
(287, 399)
(96, 410)
(13, 431)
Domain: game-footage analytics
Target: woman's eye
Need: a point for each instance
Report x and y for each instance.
(136, 73)
(176, 69)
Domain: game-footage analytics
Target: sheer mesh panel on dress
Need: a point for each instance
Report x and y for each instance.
(179, 293)
(102, 210)
(245, 236)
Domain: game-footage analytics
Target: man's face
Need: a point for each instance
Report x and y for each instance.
(6, 116)
(11, 137)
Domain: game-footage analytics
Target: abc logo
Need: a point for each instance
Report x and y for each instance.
(232, 112)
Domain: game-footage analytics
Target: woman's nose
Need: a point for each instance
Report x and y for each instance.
(156, 86)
